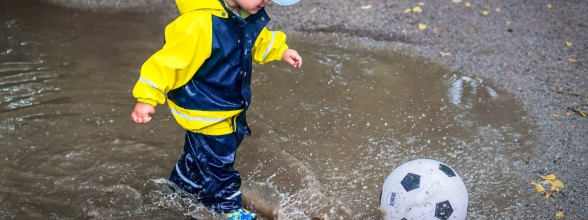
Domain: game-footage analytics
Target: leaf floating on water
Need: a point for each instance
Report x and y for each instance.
(548, 177)
(557, 184)
(569, 44)
(365, 7)
(538, 187)
(467, 4)
(456, 1)
(422, 26)
(572, 60)
(559, 214)
(444, 54)
(408, 10)
(417, 9)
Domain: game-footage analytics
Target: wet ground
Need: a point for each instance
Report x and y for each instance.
(324, 137)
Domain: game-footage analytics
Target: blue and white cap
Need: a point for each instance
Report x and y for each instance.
(285, 2)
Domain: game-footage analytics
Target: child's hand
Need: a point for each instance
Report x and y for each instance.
(291, 57)
(142, 113)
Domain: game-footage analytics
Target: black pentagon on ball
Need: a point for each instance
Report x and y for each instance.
(411, 181)
(447, 170)
(443, 210)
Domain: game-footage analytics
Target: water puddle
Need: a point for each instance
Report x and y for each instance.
(324, 137)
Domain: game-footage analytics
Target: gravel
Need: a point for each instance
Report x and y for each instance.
(518, 45)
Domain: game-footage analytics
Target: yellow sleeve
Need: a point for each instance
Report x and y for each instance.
(188, 45)
(269, 46)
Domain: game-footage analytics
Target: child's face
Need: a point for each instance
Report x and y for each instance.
(251, 6)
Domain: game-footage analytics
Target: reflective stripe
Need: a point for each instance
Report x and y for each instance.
(234, 195)
(148, 82)
(269, 47)
(196, 118)
(186, 179)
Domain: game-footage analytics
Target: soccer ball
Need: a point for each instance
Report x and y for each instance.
(423, 189)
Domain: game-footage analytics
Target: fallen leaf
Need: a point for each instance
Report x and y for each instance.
(548, 177)
(467, 4)
(538, 187)
(554, 189)
(529, 53)
(366, 7)
(497, 9)
(403, 31)
(547, 195)
(421, 3)
(567, 113)
(456, 1)
(549, 6)
(313, 10)
(572, 60)
(408, 10)
(555, 116)
(485, 12)
(417, 9)
(569, 44)
(444, 54)
(557, 184)
(435, 30)
(422, 26)
(487, 7)
(507, 22)
(559, 214)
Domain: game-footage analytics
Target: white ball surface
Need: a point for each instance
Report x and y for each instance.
(424, 189)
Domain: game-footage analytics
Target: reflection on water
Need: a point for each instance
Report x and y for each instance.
(324, 137)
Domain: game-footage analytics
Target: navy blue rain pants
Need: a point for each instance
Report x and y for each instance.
(205, 170)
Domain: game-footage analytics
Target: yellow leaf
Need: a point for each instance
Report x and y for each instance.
(497, 9)
(572, 60)
(549, 6)
(547, 195)
(422, 26)
(444, 54)
(538, 187)
(366, 7)
(485, 12)
(507, 22)
(548, 177)
(467, 4)
(408, 10)
(559, 214)
(557, 184)
(421, 3)
(417, 9)
(569, 44)
(555, 116)
(456, 1)
(554, 189)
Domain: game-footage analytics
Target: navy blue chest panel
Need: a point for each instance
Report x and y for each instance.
(223, 81)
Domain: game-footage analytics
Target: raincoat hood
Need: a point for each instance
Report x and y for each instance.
(185, 6)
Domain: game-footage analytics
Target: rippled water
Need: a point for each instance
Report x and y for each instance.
(324, 137)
